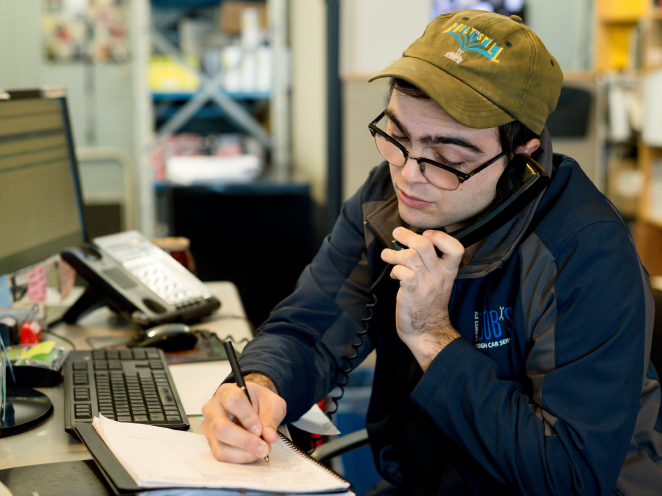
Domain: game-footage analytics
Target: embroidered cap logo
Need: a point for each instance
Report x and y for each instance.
(471, 40)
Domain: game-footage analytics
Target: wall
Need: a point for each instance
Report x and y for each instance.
(308, 42)
(19, 27)
(100, 97)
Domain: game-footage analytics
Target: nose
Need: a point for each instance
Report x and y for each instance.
(411, 171)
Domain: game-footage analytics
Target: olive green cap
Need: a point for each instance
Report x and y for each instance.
(483, 69)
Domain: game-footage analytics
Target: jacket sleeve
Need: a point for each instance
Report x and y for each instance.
(302, 345)
(585, 368)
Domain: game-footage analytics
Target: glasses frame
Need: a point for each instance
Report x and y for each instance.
(462, 176)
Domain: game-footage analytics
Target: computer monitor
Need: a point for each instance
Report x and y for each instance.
(41, 209)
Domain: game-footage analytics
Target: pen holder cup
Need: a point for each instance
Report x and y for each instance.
(179, 249)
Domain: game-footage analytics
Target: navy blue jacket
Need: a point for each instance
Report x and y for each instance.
(549, 391)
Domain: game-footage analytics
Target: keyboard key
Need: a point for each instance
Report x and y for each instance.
(156, 417)
(166, 396)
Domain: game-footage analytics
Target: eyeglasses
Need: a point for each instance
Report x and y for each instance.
(442, 176)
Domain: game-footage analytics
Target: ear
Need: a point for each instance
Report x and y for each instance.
(529, 147)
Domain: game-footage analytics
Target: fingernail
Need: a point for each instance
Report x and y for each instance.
(261, 449)
(255, 430)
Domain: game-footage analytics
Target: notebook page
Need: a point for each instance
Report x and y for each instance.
(158, 457)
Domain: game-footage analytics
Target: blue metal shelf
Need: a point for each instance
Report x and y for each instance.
(179, 96)
(185, 3)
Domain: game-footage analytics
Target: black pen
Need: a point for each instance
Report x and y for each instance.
(238, 376)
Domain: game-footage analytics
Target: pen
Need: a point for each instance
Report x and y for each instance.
(236, 372)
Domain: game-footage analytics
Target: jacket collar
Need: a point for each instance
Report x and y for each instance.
(383, 217)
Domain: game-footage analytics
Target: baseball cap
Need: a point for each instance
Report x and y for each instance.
(483, 69)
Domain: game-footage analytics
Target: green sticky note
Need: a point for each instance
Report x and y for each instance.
(38, 349)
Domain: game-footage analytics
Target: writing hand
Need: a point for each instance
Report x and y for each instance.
(235, 430)
(426, 283)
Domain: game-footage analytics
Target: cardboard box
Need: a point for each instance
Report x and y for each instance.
(230, 15)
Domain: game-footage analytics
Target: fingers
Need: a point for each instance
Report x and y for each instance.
(236, 403)
(226, 452)
(421, 255)
(452, 250)
(233, 428)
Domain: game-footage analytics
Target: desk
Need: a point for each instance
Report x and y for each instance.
(49, 443)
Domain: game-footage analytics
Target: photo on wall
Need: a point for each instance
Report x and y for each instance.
(85, 30)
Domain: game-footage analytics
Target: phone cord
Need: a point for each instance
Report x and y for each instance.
(349, 360)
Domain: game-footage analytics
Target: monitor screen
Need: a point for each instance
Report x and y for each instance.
(504, 7)
(40, 198)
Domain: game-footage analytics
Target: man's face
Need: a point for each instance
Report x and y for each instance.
(428, 132)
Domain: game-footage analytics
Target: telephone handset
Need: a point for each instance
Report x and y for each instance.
(129, 274)
(521, 181)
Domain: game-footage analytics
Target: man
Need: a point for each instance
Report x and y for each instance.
(516, 365)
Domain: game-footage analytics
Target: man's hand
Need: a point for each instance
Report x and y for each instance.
(426, 283)
(237, 432)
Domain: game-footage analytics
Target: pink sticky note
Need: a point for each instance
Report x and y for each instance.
(67, 278)
(37, 283)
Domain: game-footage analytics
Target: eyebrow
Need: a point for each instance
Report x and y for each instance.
(438, 139)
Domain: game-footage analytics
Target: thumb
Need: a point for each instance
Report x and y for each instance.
(271, 412)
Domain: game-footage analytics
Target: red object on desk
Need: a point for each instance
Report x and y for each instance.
(31, 332)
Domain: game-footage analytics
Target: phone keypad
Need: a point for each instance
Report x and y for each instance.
(163, 282)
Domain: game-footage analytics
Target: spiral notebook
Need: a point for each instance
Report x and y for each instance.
(136, 458)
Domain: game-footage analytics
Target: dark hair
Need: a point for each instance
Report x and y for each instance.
(511, 135)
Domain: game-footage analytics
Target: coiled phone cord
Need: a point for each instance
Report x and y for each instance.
(349, 360)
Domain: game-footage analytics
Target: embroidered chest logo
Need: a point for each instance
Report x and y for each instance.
(492, 327)
(471, 40)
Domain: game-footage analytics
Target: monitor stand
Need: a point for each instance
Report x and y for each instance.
(25, 408)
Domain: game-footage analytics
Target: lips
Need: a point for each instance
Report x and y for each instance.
(412, 201)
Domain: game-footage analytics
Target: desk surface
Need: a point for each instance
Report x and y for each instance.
(49, 443)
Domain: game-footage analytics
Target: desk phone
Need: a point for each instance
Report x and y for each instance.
(137, 279)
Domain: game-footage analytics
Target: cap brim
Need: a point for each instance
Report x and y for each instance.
(457, 99)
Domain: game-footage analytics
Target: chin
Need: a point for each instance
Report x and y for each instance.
(420, 220)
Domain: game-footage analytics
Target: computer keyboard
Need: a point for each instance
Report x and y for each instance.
(127, 385)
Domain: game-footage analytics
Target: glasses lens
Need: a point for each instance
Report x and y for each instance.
(439, 177)
(390, 151)
(436, 176)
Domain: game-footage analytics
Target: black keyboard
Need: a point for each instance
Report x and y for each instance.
(127, 385)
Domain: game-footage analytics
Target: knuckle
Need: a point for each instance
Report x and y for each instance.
(208, 409)
(222, 430)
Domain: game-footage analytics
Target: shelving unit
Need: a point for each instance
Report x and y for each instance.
(629, 46)
(143, 111)
(274, 136)
(616, 21)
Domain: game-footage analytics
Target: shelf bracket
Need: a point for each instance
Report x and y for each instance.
(210, 91)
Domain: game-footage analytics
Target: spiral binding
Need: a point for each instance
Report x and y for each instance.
(295, 448)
